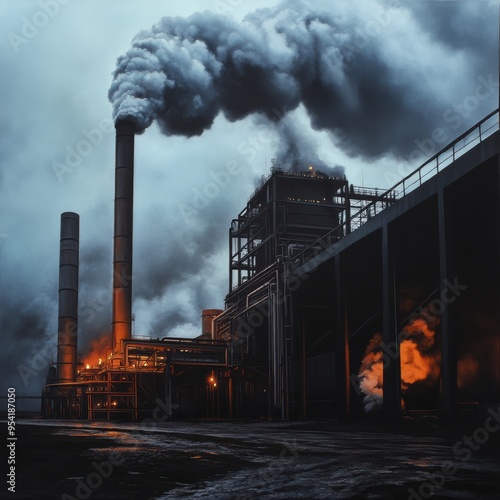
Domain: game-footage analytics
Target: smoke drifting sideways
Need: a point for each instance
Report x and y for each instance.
(368, 93)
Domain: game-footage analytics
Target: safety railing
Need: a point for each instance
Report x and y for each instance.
(446, 156)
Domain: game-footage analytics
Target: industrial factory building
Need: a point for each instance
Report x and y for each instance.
(342, 301)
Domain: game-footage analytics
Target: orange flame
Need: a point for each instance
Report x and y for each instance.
(418, 361)
(418, 358)
(96, 357)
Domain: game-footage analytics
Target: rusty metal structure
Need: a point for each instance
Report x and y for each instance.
(318, 269)
(135, 375)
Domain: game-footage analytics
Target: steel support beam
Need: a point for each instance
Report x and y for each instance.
(392, 368)
(448, 348)
(342, 342)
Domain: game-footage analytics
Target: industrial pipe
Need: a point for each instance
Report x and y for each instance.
(68, 297)
(207, 322)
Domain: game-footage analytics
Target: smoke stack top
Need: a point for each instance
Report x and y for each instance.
(69, 262)
(184, 72)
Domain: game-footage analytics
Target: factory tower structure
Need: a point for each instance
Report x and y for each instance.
(342, 301)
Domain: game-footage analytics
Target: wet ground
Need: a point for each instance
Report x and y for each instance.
(255, 459)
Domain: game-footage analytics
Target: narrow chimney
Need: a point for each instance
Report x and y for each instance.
(207, 322)
(122, 250)
(68, 297)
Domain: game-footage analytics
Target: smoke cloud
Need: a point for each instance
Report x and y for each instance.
(364, 85)
(419, 360)
(371, 375)
(296, 150)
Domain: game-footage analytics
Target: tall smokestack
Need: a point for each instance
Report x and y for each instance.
(122, 250)
(68, 297)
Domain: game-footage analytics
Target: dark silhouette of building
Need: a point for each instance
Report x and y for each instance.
(341, 301)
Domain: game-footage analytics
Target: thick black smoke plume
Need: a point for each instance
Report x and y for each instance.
(353, 69)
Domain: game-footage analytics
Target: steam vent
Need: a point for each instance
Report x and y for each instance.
(343, 302)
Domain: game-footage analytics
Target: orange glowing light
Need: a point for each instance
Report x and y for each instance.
(212, 380)
(414, 366)
(97, 352)
(419, 361)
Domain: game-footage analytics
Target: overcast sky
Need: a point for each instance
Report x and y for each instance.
(394, 75)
